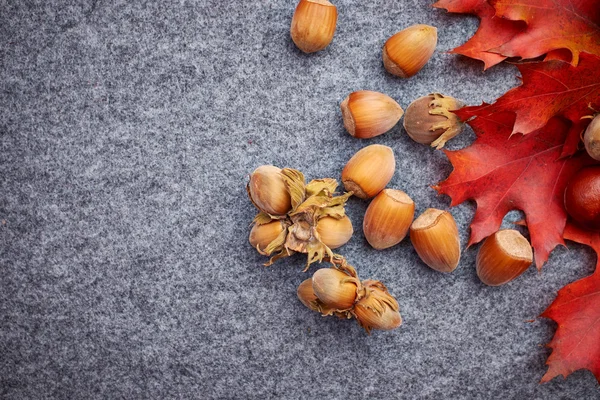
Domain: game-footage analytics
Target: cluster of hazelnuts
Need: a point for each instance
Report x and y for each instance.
(299, 217)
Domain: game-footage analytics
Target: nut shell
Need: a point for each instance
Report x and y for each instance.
(429, 120)
(335, 232)
(368, 114)
(307, 295)
(406, 52)
(369, 171)
(388, 218)
(262, 235)
(502, 257)
(268, 191)
(313, 25)
(335, 289)
(377, 309)
(591, 138)
(582, 198)
(434, 236)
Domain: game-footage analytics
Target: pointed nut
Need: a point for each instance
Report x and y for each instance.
(313, 25)
(591, 138)
(434, 236)
(368, 114)
(502, 257)
(369, 171)
(262, 235)
(268, 191)
(388, 218)
(335, 289)
(429, 120)
(335, 232)
(377, 309)
(405, 53)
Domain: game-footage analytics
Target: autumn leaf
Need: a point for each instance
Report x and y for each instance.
(576, 310)
(492, 32)
(503, 173)
(549, 89)
(561, 29)
(552, 25)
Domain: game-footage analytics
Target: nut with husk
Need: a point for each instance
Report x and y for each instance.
(315, 219)
(338, 291)
(377, 309)
(268, 191)
(335, 232)
(429, 120)
(263, 235)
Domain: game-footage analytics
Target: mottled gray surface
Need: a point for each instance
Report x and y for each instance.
(127, 131)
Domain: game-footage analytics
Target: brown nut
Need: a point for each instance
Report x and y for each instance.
(313, 25)
(335, 289)
(429, 120)
(591, 138)
(405, 53)
(335, 232)
(502, 257)
(368, 114)
(369, 171)
(388, 218)
(268, 191)
(434, 236)
(377, 309)
(262, 235)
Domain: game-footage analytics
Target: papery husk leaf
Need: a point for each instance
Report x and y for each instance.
(340, 200)
(262, 218)
(335, 207)
(283, 254)
(317, 185)
(441, 105)
(294, 180)
(276, 244)
(382, 299)
(311, 204)
(303, 238)
(316, 251)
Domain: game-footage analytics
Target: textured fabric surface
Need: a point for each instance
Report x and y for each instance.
(128, 129)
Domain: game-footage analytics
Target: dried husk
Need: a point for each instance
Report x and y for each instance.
(429, 119)
(308, 204)
(377, 309)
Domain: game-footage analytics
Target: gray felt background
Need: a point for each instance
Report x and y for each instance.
(127, 132)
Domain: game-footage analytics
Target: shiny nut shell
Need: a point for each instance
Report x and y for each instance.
(368, 114)
(406, 52)
(369, 171)
(582, 198)
(434, 236)
(502, 257)
(334, 288)
(335, 232)
(313, 25)
(262, 235)
(388, 218)
(268, 191)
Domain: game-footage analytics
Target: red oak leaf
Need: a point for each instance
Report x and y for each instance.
(503, 173)
(573, 25)
(492, 32)
(549, 89)
(576, 310)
